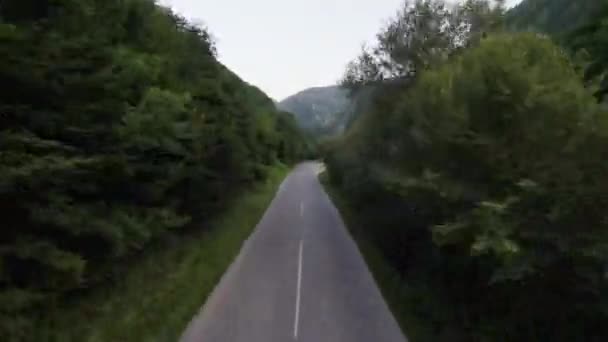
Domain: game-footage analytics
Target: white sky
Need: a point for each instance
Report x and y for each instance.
(284, 46)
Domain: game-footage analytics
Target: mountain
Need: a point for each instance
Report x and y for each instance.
(320, 110)
(551, 16)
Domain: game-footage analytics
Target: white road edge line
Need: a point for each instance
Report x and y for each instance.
(297, 316)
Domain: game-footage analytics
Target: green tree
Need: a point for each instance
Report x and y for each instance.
(589, 43)
(423, 34)
(484, 180)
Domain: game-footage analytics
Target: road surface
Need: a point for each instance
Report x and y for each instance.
(299, 277)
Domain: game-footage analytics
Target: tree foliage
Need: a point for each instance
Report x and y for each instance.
(588, 42)
(424, 33)
(118, 126)
(485, 177)
(552, 16)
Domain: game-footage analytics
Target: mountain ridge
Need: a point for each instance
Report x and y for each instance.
(320, 110)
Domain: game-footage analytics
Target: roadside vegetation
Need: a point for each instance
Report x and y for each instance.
(478, 177)
(402, 299)
(121, 138)
(164, 288)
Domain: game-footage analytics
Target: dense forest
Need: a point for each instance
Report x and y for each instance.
(551, 16)
(118, 127)
(479, 172)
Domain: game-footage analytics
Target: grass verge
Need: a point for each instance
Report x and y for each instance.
(166, 287)
(401, 296)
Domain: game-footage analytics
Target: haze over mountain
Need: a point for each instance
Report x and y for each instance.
(319, 110)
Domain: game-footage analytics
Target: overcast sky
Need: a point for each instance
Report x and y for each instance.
(284, 46)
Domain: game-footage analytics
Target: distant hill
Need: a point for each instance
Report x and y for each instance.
(320, 110)
(551, 16)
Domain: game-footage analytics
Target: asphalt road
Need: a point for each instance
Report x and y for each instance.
(299, 277)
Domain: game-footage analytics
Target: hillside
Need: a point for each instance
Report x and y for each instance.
(551, 16)
(320, 110)
(120, 129)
